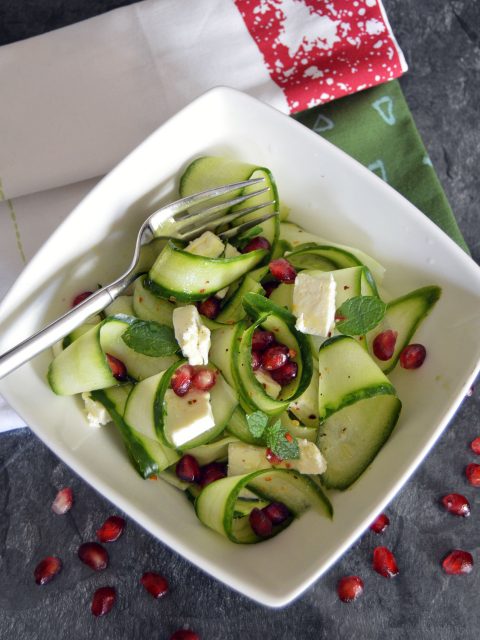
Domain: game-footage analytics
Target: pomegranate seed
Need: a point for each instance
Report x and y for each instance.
(413, 356)
(204, 379)
(269, 287)
(282, 270)
(260, 523)
(210, 308)
(349, 588)
(475, 446)
(472, 471)
(470, 392)
(118, 369)
(103, 601)
(384, 562)
(284, 375)
(63, 501)
(457, 562)
(93, 555)
(384, 344)
(256, 360)
(155, 584)
(188, 469)
(259, 242)
(111, 529)
(81, 297)
(184, 634)
(272, 457)
(380, 523)
(276, 512)
(47, 569)
(275, 357)
(182, 380)
(212, 472)
(456, 504)
(261, 340)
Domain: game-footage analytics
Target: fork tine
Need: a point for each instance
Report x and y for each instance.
(230, 233)
(213, 223)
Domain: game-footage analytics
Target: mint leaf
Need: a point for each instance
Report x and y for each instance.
(281, 442)
(257, 423)
(150, 338)
(359, 315)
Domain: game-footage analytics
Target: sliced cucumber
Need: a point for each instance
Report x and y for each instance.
(323, 257)
(139, 411)
(351, 438)
(212, 451)
(148, 306)
(187, 277)
(305, 407)
(404, 316)
(238, 427)
(122, 304)
(223, 343)
(233, 311)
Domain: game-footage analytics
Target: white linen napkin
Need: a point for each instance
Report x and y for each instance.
(78, 99)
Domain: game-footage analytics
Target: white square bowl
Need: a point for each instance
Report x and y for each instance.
(329, 194)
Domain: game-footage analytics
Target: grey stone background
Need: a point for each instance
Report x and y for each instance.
(441, 40)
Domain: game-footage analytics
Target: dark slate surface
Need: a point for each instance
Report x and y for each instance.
(441, 40)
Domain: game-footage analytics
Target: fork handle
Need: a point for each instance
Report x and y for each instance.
(29, 348)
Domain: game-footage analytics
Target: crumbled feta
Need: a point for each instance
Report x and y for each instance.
(314, 303)
(311, 460)
(96, 413)
(187, 417)
(191, 334)
(272, 388)
(245, 458)
(208, 245)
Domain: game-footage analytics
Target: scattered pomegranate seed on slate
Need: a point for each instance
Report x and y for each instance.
(349, 588)
(413, 356)
(380, 523)
(188, 469)
(155, 584)
(275, 357)
(103, 601)
(81, 297)
(384, 344)
(261, 340)
(284, 375)
(212, 472)
(256, 360)
(210, 308)
(472, 471)
(456, 504)
(259, 242)
(118, 369)
(204, 379)
(475, 446)
(63, 501)
(276, 512)
(272, 457)
(93, 555)
(47, 569)
(282, 270)
(184, 634)
(384, 562)
(182, 380)
(458, 562)
(260, 523)
(111, 529)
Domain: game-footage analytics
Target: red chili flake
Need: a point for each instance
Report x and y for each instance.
(288, 437)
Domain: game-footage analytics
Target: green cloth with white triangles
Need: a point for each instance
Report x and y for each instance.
(376, 128)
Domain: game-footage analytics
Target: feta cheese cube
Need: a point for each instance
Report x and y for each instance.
(187, 417)
(311, 460)
(191, 334)
(272, 388)
(208, 245)
(96, 413)
(314, 303)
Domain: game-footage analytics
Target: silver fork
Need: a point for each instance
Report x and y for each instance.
(173, 221)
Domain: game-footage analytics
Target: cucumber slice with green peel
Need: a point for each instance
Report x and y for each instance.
(212, 451)
(215, 505)
(283, 296)
(237, 426)
(305, 407)
(122, 304)
(148, 456)
(186, 277)
(347, 374)
(139, 410)
(148, 306)
(76, 333)
(273, 318)
(323, 257)
(295, 236)
(404, 315)
(223, 343)
(351, 438)
(297, 429)
(244, 506)
(233, 311)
